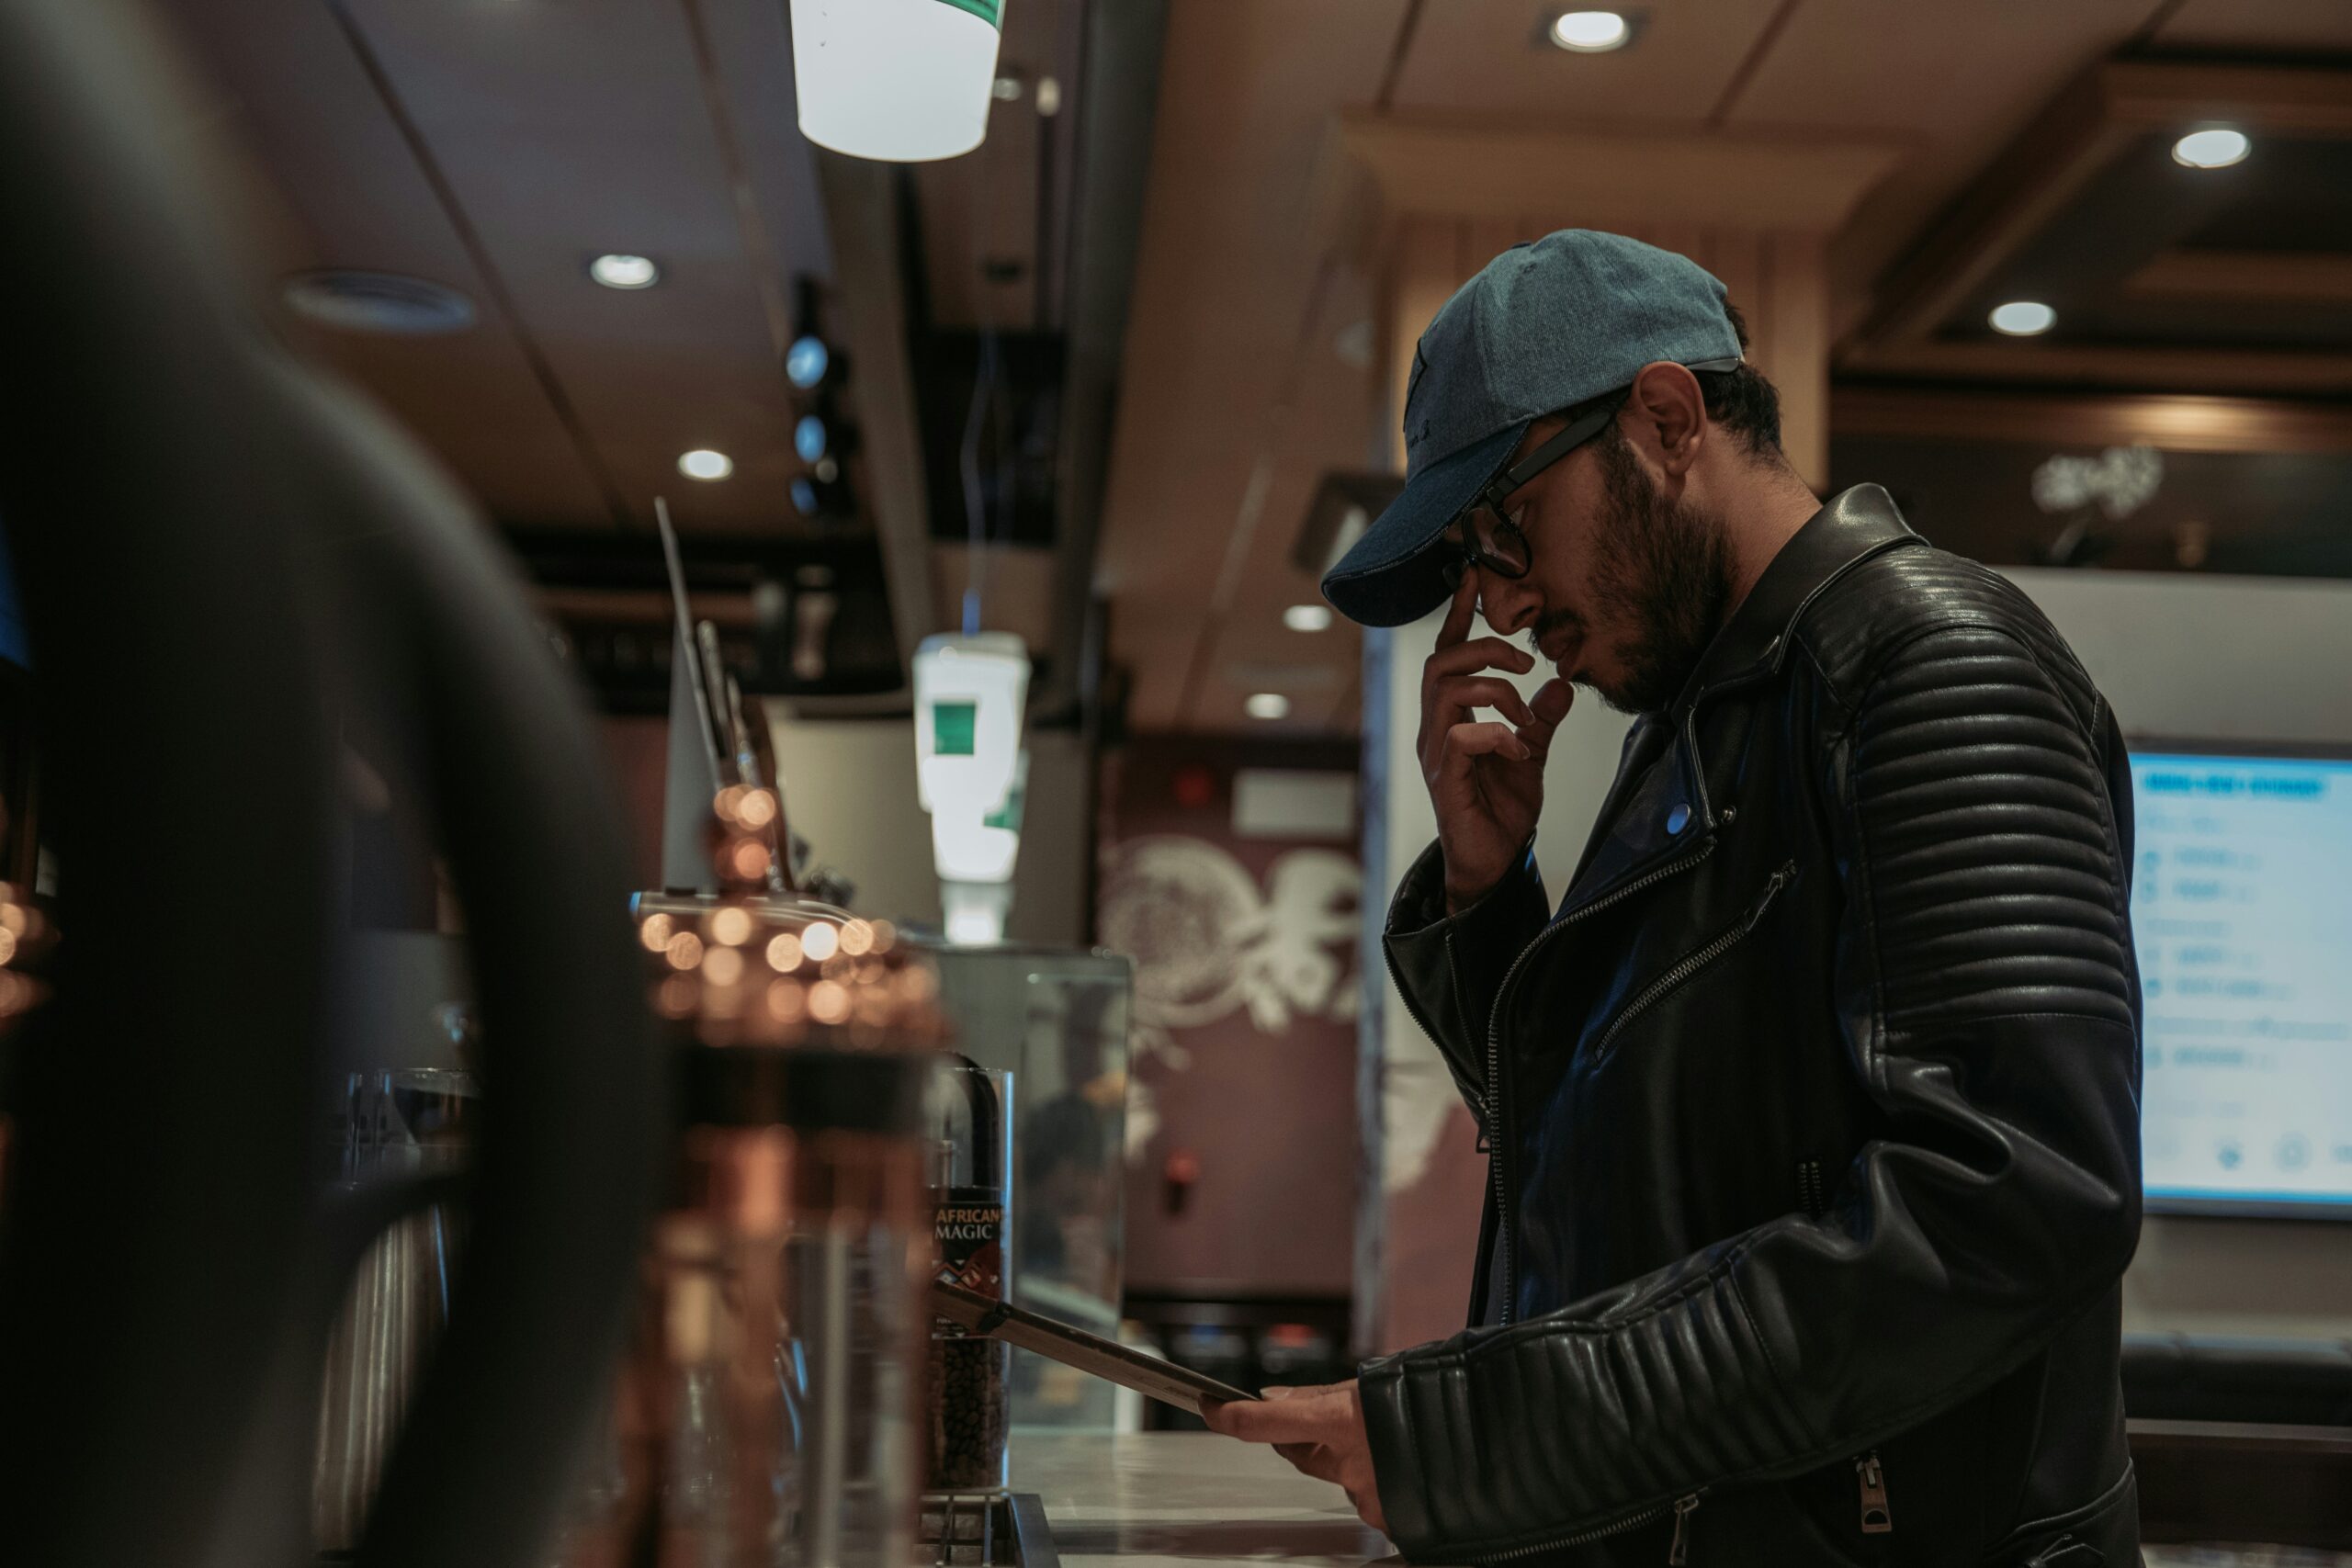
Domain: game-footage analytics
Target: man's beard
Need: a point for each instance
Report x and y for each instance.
(1662, 569)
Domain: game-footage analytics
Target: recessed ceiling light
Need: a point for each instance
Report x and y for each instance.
(2023, 318)
(1308, 618)
(1590, 33)
(702, 463)
(2217, 147)
(625, 272)
(1268, 705)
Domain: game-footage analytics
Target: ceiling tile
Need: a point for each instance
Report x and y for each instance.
(1487, 56)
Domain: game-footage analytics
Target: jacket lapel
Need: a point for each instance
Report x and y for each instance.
(1658, 807)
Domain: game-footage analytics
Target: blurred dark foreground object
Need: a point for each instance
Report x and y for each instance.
(230, 559)
(2242, 1440)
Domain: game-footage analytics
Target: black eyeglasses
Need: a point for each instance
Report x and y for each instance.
(1487, 534)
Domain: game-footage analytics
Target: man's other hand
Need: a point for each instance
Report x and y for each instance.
(1320, 1430)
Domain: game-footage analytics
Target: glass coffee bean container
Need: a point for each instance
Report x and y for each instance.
(770, 1409)
(968, 1393)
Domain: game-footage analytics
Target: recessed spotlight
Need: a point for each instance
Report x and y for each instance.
(1308, 618)
(1590, 33)
(2216, 147)
(2023, 318)
(617, 271)
(1268, 705)
(702, 463)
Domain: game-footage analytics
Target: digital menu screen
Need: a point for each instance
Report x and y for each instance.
(2242, 912)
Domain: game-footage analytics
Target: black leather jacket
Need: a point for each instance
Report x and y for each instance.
(1813, 1110)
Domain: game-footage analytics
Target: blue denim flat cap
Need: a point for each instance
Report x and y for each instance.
(1543, 326)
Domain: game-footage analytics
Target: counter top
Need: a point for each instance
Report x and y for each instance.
(1149, 1499)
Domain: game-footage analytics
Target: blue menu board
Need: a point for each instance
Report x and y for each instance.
(2242, 912)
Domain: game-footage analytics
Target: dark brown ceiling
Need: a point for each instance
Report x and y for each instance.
(2235, 279)
(496, 148)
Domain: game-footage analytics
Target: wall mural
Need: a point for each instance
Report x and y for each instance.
(1209, 941)
(1230, 877)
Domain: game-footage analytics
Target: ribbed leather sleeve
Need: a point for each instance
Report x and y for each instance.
(1449, 967)
(1988, 1000)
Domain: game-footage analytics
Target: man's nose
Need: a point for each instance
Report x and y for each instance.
(1508, 606)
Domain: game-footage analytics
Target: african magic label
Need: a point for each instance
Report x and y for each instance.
(967, 1230)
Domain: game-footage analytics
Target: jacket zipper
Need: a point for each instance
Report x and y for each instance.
(1876, 1521)
(1678, 1555)
(1498, 1163)
(1680, 1552)
(1657, 989)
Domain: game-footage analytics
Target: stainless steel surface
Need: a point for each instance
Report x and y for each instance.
(393, 1125)
(1182, 1500)
(958, 1530)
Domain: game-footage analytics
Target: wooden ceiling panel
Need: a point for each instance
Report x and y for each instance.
(1962, 79)
(2287, 27)
(566, 134)
(983, 206)
(304, 112)
(1230, 336)
(1489, 56)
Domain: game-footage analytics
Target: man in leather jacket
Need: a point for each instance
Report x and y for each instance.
(1812, 1106)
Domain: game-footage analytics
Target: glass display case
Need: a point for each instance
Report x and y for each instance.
(1057, 1018)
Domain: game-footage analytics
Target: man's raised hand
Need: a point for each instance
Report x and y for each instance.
(1484, 777)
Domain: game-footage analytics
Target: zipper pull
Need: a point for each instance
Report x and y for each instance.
(1680, 1552)
(1876, 1521)
(1780, 879)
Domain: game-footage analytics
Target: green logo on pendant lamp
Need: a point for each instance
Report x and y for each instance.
(990, 11)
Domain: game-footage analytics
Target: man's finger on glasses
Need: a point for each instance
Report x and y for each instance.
(1458, 612)
(1464, 692)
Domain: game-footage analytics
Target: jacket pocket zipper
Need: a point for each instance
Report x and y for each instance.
(1678, 1554)
(1659, 988)
(1498, 1163)
(1813, 1196)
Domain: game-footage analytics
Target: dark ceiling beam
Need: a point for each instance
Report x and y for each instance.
(862, 215)
(2285, 371)
(2176, 423)
(2244, 278)
(2100, 114)
(1118, 99)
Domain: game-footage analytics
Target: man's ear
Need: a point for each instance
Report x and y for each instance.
(1669, 415)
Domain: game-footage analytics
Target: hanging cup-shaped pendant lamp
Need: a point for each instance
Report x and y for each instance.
(902, 81)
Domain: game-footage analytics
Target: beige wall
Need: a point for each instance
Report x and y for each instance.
(850, 785)
(2192, 658)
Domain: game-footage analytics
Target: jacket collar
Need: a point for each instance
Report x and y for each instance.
(1658, 812)
(1851, 528)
